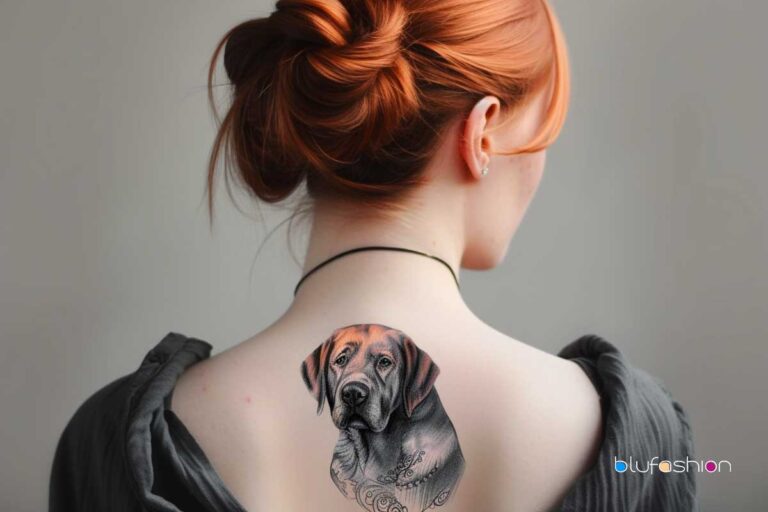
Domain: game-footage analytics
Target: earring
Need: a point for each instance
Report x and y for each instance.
(484, 171)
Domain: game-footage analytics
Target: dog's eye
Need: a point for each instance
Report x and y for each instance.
(385, 362)
(341, 360)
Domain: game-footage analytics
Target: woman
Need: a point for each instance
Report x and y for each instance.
(419, 130)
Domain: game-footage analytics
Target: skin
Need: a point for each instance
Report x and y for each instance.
(529, 423)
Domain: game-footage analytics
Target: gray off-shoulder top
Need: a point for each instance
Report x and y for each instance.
(125, 450)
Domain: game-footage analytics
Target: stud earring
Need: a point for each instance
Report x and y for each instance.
(484, 171)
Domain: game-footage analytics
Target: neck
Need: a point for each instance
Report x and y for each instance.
(365, 284)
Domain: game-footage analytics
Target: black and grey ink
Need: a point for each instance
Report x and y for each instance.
(397, 449)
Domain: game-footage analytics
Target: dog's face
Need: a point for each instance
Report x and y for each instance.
(367, 371)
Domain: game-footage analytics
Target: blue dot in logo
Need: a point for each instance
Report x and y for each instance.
(620, 466)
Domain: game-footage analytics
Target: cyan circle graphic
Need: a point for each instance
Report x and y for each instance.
(620, 466)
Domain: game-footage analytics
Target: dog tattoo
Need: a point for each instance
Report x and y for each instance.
(397, 449)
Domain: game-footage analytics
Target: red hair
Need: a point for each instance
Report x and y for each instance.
(353, 95)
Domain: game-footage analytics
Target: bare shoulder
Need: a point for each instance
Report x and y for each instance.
(542, 423)
(558, 423)
(222, 402)
(248, 410)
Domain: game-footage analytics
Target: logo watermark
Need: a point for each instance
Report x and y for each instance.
(671, 466)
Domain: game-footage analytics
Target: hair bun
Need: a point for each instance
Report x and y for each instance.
(352, 96)
(320, 22)
(244, 46)
(349, 78)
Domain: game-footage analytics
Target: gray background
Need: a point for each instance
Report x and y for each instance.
(649, 227)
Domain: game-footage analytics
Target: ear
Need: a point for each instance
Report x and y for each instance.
(476, 136)
(314, 368)
(420, 375)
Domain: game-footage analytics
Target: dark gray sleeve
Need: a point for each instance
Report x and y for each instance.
(642, 424)
(88, 471)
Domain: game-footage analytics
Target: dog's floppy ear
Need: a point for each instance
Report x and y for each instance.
(420, 375)
(314, 368)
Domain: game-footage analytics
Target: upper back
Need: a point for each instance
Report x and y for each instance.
(509, 407)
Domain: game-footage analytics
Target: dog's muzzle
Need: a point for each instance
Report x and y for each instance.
(354, 409)
(354, 394)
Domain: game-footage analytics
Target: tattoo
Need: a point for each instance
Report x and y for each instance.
(377, 498)
(397, 449)
(403, 470)
(441, 498)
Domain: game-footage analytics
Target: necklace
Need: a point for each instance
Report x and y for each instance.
(373, 248)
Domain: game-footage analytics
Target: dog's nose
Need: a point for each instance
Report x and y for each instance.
(354, 394)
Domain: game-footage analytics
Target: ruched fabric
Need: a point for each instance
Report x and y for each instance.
(643, 424)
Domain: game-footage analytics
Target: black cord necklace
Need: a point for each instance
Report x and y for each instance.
(373, 248)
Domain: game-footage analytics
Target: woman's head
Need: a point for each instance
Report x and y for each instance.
(371, 102)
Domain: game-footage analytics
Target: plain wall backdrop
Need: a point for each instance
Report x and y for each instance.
(650, 227)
